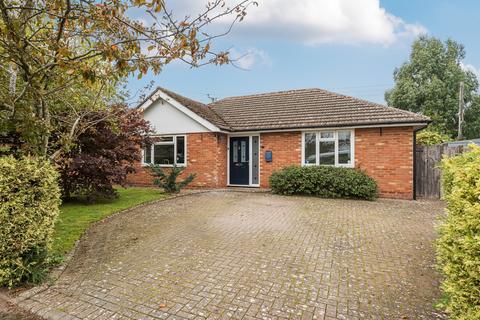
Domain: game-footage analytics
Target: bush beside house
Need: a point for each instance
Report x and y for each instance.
(428, 138)
(323, 181)
(104, 153)
(167, 179)
(458, 247)
(29, 206)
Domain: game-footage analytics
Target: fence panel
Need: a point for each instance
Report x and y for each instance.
(428, 173)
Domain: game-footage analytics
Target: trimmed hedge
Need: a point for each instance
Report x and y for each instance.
(29, 205)
(323, 181)
(458, 247)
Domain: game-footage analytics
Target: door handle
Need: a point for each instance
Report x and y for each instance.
(240, 164)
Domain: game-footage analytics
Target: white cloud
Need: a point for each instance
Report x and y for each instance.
(326, 21)
(316, 22)
(471, 68)
(247, 59)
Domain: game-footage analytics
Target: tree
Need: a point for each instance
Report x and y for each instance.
(68, 108)
(472, 119)
(429, 84)
(49, 46)
(105, 152)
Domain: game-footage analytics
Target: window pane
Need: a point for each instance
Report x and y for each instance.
(163, 154)
(310, 148)
(327, 152)
(326, 135)
(180, 150)
(147, 154)
(165, 139)
(344, 143)
(235, 151)
(243, 151)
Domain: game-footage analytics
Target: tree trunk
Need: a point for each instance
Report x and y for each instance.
(45, 136)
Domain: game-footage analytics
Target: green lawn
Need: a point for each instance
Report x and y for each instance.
(76, 217)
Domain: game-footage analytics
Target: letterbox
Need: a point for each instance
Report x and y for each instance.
(268, 156)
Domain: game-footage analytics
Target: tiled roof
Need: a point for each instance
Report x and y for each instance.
(199, 108)
(306, 108)
(294, 109)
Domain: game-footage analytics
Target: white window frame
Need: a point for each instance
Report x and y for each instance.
(174, 143)
(335, 139)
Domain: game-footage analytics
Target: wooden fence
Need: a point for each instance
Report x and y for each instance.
(428, 174)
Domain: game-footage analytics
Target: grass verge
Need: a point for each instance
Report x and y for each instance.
(76, 216)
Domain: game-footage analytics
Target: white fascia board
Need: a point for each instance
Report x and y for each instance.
(159, 94)
(147, 103)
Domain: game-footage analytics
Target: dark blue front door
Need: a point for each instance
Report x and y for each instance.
(239, 160)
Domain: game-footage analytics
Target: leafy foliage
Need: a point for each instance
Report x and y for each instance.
(29, 201)
(428, 138)
(24, 131)
(104, 154)
(429, 84)
(51, 46)
(167, 178)
(324, 181)
(472, 119)
(458, 247)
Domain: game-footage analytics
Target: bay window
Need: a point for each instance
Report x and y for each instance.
(331, 148)
(167, 151)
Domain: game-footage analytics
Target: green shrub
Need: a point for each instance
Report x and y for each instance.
(458, 246)
(168, 180)
(428, 138)
(29, 205)
(323, 181)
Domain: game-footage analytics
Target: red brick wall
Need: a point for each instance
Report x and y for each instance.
(222, 142)
(386, 154)
(286, 150)
(206, 156)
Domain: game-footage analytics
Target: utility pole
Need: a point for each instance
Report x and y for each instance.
(461, 109)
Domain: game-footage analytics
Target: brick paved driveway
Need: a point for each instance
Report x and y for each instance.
(252, 256)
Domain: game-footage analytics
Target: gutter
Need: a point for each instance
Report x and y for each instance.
(415, 160)
(423, 123)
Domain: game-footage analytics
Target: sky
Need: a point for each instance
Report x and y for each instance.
(346, 46)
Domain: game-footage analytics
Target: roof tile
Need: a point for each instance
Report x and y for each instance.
(306, 108)
(199, 108)
(295, 109)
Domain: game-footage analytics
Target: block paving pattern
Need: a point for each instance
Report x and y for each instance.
(230, 255)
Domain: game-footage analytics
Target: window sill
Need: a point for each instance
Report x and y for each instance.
(328, 165)
(165, 165)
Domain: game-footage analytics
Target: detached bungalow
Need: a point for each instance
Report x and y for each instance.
(240, 141)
